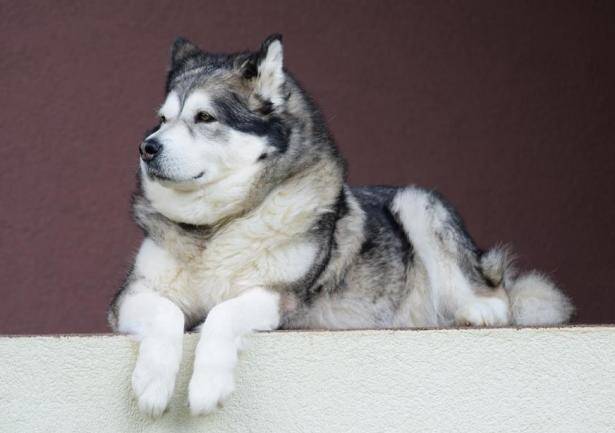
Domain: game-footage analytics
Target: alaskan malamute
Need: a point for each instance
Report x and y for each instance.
(249, 225)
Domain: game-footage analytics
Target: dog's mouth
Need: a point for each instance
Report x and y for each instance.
(157, 175)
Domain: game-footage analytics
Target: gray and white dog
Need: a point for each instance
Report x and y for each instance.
(249, 225)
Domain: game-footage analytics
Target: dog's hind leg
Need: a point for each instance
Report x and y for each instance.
(457, 293)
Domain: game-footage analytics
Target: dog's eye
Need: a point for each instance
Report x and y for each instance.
(163, 119)
(203, 117)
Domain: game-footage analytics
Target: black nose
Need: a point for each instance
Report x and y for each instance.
(149, 149)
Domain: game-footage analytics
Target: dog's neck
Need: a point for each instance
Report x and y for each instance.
(295, 204)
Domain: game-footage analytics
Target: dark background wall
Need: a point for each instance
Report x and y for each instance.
(506, 107)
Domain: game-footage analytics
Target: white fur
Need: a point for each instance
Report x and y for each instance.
(212, 176)
(205, 205)
(159, 325)
(271, 74)
(199, 100)
(280, 269)
(216, 353)
(483, 311)
(199, 154)
(154, 265)
(535, 300)
(264, 247)
(450, 294)
(210, 172)
(171, 106)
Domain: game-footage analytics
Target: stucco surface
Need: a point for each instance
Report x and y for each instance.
(504, 380)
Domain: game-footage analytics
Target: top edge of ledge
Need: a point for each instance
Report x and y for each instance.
(576, 327)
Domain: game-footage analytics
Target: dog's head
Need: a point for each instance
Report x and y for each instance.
(225, 124)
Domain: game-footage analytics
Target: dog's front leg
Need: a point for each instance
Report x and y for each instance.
(159, 326)
(216, 353)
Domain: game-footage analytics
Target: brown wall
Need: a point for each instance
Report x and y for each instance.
(506, 107)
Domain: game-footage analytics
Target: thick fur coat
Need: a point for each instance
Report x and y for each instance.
(249, 225)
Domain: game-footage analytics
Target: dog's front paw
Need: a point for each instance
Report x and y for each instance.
(483, 311)
(153, 386)
(208, 389)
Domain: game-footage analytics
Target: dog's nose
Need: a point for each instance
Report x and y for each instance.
(149, 149)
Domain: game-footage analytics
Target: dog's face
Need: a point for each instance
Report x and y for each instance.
(196, 144)
(219, 128)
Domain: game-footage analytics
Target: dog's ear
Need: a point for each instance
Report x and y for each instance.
(266, 69)
(181, 50)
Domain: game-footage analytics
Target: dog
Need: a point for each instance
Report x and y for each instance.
(250, 226)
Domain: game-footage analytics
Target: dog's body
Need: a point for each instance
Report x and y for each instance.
(250, 226)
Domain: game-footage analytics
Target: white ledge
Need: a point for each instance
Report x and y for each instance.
(482, 380)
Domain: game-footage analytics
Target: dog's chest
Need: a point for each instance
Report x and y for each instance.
(251, 253)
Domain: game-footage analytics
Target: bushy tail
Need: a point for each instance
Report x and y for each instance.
(534, 299)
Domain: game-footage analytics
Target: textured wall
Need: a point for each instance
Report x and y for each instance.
(506, 107)
(505, 380)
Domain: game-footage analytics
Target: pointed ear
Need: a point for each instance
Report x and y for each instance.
(267, 70)
(181, 50)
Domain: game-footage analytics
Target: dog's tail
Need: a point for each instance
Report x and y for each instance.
(534, 299)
